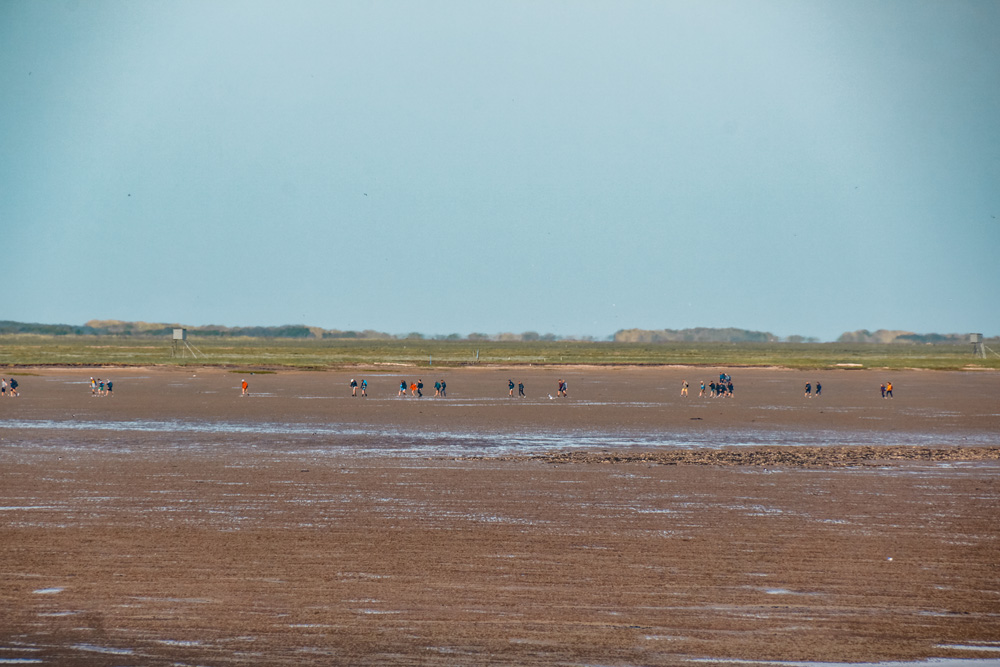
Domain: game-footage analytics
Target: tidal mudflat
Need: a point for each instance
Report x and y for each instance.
(177, 523)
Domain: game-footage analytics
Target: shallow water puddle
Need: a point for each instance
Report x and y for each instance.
(992, 647)
(177, 642)
(92, 648)
(59, 614)
(18, 508)
(785, 591)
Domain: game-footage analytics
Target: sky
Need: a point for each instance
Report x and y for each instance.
(576, 168)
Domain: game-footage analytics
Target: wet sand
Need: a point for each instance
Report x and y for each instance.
(178, 523)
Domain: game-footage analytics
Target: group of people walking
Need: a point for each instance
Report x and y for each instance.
(417, 388)
(721, 389)
(6, 387)
(562, 388)
(101, 387)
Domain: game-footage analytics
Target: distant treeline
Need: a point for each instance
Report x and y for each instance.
(162, 330)
(709, 335)
(146, 329)
(300, 331)
(904, 337)
(700, 335)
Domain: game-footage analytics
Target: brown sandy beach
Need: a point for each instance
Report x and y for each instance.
(177, 523)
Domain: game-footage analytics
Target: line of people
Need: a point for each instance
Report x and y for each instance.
(721, 389)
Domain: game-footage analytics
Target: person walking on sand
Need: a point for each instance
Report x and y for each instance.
(701, 392)
(520, 389)
(444, 388)
(808, 390)
(100, 387)
(819, 389)
(413, 389)
(93, 387)
(364, 387)
(13, 388)
(110, 388)
(883, 389)
(402, 388)
(684, 388)
(354, 387)
(420, 388)
(888, 389)
(510, 387)
(245, 387)
(565, 388)
(3, 388)
(437, 387)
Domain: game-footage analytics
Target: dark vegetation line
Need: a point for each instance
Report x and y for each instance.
(828, 456)
(303, 332)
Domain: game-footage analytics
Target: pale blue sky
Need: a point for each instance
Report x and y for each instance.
(567, 167)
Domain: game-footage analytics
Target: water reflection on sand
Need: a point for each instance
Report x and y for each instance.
(361, 440)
